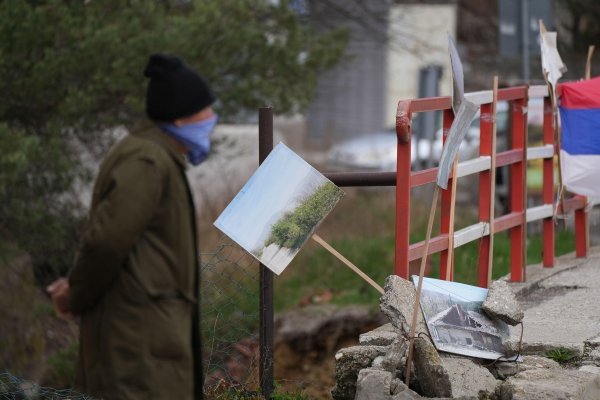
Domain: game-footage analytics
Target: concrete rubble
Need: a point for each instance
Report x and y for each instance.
(378, 372)
(501, 303)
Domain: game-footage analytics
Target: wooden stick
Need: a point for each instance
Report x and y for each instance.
(450, 257)
(413, 326)
(493, 181)
(588, 64)
(343, 259)
(553, 99)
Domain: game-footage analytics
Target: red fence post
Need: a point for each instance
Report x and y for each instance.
(581, 230)
(446, 202)
(518, 176)
(548, 187)
(485, 190)
(403, 172)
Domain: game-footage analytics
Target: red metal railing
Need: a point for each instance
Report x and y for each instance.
(516, 157)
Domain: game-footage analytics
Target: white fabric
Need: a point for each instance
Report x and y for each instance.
(581, 173)
(551, 61)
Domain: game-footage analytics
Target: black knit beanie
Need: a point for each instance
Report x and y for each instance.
(174, 90)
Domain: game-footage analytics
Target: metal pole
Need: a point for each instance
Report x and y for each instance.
(525, 38)
(266, 324)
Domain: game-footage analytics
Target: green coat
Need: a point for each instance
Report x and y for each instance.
(135, 279)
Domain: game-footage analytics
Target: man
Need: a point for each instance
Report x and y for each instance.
(136, 276)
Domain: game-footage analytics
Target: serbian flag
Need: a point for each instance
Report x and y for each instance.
(580, 120)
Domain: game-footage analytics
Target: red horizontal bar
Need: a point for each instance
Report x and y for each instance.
(513, 93)
(436, 244)
(423, 177)
(509, 157)
(431, 104)
(508, 221)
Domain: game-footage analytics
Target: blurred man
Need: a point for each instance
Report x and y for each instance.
(135, 281)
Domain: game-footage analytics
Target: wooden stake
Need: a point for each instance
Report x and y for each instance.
(588, 64)
(343, 259)
(493, 181)
(450, 257)
(413, 325)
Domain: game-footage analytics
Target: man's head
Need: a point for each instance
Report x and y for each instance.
(175, 91)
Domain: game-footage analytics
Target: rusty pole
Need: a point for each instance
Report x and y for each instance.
(266, 324)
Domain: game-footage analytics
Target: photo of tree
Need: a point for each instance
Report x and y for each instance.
(279, 208)
(456, 322)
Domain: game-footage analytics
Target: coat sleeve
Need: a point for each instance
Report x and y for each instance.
(116, 222)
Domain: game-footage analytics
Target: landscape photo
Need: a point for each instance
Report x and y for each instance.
(456, 322)
(279, 208)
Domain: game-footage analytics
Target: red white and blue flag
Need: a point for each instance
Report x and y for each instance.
(580, 121)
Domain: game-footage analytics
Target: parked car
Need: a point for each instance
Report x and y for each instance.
(375, 151)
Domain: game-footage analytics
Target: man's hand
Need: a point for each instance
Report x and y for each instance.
(59, 292)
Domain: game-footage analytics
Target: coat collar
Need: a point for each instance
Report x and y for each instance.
(150, 131)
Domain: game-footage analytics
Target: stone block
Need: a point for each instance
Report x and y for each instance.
(348, 362)
(432, 375)
(501, 303)
(375, 384)
(398, 303)
(542, 384)
(382, 336)
(469, 379)
(541, 348)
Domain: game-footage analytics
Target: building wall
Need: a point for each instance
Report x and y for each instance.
(350, 99)
(418, 38)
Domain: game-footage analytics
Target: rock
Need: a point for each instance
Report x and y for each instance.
(398, 303)
(382, 336)
(501, 303)
(593, 342)
(469, 379)
(540, 348)
(349, 362)
(592, 369)
(503, 369)
(531, 362)
(433, 376)
(539, 383)
(395, 358)
(595, 354)
(375, 384)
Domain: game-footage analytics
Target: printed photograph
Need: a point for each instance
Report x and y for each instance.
(456, 322)
(279, 208)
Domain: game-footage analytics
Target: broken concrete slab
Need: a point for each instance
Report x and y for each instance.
(348, 362)
(381, 336)
(469, 379)
(505, 369)
(395, 359)
(540, 348)
(375, 384)
(501, 303)
(538, 384)
(398, 303)
(433, 376)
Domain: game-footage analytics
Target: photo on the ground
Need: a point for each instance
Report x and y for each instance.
(279, 208)
(456, 322)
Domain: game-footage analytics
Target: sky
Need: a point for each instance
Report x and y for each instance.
(269, 192)
(460, 290)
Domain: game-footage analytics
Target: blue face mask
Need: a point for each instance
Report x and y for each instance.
(195, 136)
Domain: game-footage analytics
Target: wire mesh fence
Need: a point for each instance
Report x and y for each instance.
(14, 388)
(230, 301)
